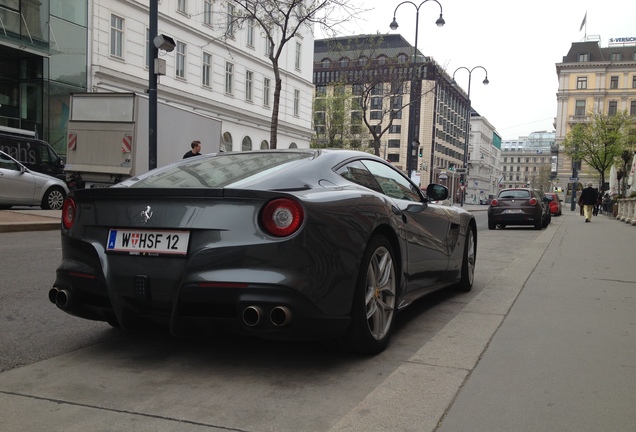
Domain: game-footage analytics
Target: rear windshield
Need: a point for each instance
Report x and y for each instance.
(223, 170)
(515, 194)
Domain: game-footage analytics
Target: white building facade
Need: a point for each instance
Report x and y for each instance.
(216, 68)
(484, 158)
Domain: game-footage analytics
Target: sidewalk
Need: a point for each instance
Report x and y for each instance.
(29, 220)
(548, 345)
(564, 358)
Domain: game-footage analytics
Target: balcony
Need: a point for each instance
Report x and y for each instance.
(579, 119)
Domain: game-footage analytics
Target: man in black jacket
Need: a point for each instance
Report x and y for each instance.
(588, 200)
(196, 150)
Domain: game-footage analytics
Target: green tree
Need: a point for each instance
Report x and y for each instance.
(281, 21)
(600, 142)
(331, 108)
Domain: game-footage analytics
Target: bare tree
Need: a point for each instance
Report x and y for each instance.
(281, 21)
(379, 79)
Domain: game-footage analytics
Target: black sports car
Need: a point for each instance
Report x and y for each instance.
(288, 244)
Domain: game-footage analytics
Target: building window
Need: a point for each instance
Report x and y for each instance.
(268, 47)
(181, 60)
(249, 85)
(326, 63)
(377, 89)
(375, 115)
(207, 12)
(634, 81)
(227, 141)
(229, 78)
(296, 103)
(246, 145)
(394, 143)
(616, 57)
(584, 57)
(632, 108)
(264, 145)
(579, 110)
(181, 6)
(613, 105)
(376, 103)
(147, 48)
(614, 82)
(229, 29)
(250, 33)
(266, 86)
(116, 36)
(321, 91)
(206, 72)
(393, 158)
(581, 83)
(395, 129)
(299, 48)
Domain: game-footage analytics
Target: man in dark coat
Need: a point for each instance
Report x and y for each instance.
(588, 200)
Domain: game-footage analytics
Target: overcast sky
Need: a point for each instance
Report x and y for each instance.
(519, 42)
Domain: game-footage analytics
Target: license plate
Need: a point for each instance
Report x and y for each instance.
(148, 243)
(513, 211)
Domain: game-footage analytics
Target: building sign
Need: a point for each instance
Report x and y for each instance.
(623, 40)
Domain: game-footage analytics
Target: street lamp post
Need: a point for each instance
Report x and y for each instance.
(485, 81)
(413, 134)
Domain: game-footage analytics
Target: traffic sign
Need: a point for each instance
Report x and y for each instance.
(462, 187)
(572, 179)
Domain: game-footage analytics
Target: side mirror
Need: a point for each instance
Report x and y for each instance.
(436, 192)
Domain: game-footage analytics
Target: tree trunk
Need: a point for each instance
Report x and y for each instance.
(273, 131)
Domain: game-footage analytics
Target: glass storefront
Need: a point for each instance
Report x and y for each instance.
(42, 61)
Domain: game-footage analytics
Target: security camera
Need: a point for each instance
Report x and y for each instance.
(164, 42)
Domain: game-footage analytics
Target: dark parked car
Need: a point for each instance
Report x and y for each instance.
(519, 206)
(282, 244)
(555, 203)
(19, 186)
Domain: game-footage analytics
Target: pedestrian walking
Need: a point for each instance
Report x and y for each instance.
(587, 200)
(196, 150)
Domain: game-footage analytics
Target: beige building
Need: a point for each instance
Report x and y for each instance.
(592, 78)
(529, 162)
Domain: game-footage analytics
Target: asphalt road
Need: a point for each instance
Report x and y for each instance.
(241, 384)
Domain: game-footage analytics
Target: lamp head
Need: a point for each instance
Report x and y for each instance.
(164, 42)
(394, 24)
(440, 21)
(485, 81)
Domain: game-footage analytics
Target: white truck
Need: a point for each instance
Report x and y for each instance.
(107, 139)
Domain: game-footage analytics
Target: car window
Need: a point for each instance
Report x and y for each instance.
(515, 194)
(358, 173)
(393, 184)
(8, 163)
(226, 170)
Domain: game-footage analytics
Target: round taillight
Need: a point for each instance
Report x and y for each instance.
(68, 213)
(533, 201)
(282, 217)
(494, 202)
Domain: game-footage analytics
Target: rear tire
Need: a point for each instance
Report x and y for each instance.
(537, 224)
(491, 225)
(374, 300)
(465, 284)
(53, 199)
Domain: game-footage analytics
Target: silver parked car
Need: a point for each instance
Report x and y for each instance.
(21, 186)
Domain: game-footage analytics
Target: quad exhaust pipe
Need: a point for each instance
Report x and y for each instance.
(60, 297)
(279, 316)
